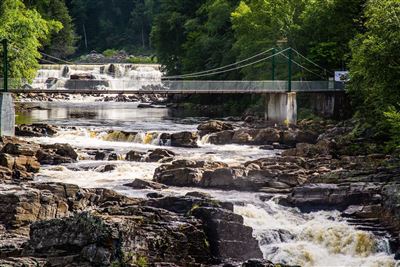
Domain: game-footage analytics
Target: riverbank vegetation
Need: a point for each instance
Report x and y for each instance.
(362, 36)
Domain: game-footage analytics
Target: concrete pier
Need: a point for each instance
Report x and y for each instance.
(7, 115)
(281, 108)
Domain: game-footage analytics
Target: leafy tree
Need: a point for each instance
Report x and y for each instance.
(375, 67)
(62, 43)
(325, 30)
(262, 24)
(210, 39)
(141, 22)
(25, 29)
(169, 32)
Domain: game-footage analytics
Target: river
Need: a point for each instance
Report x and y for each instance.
(285, 234)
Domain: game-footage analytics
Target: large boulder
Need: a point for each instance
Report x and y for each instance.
(20, 206)
(226, 234)
(321, 148)
(267, 136)
(273, 174)
(143, 184)
(228, 237)
(220, 138)
(213, 126)
(312, 197)
(160, 155)
(184, 172)
(244, 136)
(35, 130)
(135, 156)
(184, 139)
(56, 154)
(133, 236)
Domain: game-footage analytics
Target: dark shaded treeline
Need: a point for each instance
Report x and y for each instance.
(193, 35)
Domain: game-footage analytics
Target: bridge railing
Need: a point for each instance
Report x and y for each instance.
(226, 86)
(175, 86)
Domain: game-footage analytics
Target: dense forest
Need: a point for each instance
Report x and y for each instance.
(362, 36)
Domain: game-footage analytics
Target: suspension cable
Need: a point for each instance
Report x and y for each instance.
(223, 67)
(48, 61)
(228, 70)
(301, 66)
(312, 62)
(53, 57)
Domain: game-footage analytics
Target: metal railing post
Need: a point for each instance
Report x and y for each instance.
(290, 70)
(5, 65)
(273, 64)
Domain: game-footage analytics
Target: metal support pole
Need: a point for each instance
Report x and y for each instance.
(290, 70)
(5, 65)
(273, 64)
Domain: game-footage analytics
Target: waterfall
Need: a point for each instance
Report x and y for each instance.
(106, 76)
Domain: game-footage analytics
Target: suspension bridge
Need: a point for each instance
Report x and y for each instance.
(280, 94)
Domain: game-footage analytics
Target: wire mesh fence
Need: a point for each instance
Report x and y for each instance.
(172, 86)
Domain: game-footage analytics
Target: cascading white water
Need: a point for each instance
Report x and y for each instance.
(108, 76)
(316, 239)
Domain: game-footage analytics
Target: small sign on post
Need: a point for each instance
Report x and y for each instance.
(342, 76)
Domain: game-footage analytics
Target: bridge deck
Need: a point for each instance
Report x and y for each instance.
(179, 87)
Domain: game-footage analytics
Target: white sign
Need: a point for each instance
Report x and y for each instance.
(342, 76)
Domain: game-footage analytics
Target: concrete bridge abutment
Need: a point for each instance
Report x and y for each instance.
(281, 108)
(7, 114)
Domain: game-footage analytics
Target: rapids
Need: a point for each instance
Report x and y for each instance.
(285, 234)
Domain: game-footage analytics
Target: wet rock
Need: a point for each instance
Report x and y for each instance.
(267, 147)
(332, 196)
(227, 235)
(106, 168)
(165, 138)
(220, 138)
(35, 130)
(276, 173)
(21, 206)
(275, 236)
(131, 236)
(154, 195)
(82, 76)
(99, 155)
(23, 262)
(56, 154)
(183, 172)
(198, 195)
(160, 155)
(112, 157)
(143, 184)
(267, 136)
(135, 156)
(184, 139)
(244, 136)
(213, 126)
(322, 147)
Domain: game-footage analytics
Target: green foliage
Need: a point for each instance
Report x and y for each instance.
(262, 24)
(142, 60)
(170, 33)
(393, 117)
(122, 24)
(110, 52)
(26, 30)
(142, 261)
(62, 43)
(375, 68)
(325, 29)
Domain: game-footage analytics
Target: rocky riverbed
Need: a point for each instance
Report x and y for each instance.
(310, 176)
